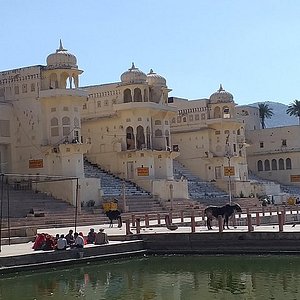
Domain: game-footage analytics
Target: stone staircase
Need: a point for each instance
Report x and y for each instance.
(290, 189)
(199, 190)
(112, 185)
(284, 188)
(49, 211)
(137, 199)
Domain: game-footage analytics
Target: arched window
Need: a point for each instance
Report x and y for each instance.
(140, 138)
(127, 96)
(260, 166)
(137, 96)
(226, 112)
(281, 164)
(274, 164)
(288, 164)
(66, 126)
(158, 132)
(148, 137)
(217, 112)
(54, 122)
(130, 144)
(54, 127)
(267, 165)
(53, 81)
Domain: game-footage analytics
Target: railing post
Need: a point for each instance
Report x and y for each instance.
(220, 222)
(193, 224)
(280, 222)
(138, 225)
(263, 211)
(133, 220)
(181, 216)
(257, 219)
(158, 219)
(146, 220)
(270, 210)
(249, 222)
(283, 215)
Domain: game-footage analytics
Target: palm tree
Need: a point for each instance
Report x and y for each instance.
(265, 112)
(294, 109)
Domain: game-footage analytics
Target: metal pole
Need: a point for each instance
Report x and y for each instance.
(1, 205)
(76, 205)
(8, 210)
(171, 196)
(124, 196)
(229, 181)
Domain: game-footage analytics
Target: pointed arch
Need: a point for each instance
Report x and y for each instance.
(217, 112)
(260, 166)
(288, 164)
(281, 164)
(267, 165)
(127, 97)
(140, 137)
(274, 164)
(130, 138)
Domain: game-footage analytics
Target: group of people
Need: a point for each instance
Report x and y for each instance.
(71, 240)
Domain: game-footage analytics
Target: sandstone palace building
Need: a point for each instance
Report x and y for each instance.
(49, 125)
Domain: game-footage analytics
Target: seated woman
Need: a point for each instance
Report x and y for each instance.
(101, 237)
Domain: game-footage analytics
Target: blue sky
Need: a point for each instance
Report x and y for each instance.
(251, 47)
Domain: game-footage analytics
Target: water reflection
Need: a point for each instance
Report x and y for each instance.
(169, 277)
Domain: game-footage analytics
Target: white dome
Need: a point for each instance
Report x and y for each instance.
(221, 96)
(133, 75)
(61, 59)
(155, 79)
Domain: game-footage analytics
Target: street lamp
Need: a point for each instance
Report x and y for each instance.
(230, 171)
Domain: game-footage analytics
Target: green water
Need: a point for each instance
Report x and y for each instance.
(163, 277)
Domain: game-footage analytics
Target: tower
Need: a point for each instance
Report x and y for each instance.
(61, 101)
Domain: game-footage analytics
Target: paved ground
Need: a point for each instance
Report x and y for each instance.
(26, 248)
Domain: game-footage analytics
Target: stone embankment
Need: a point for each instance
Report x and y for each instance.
(204, 243)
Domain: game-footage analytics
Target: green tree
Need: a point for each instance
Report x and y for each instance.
(265, 112)
(294, 109)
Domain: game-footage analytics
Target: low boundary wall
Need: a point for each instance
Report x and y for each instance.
(164, 243)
